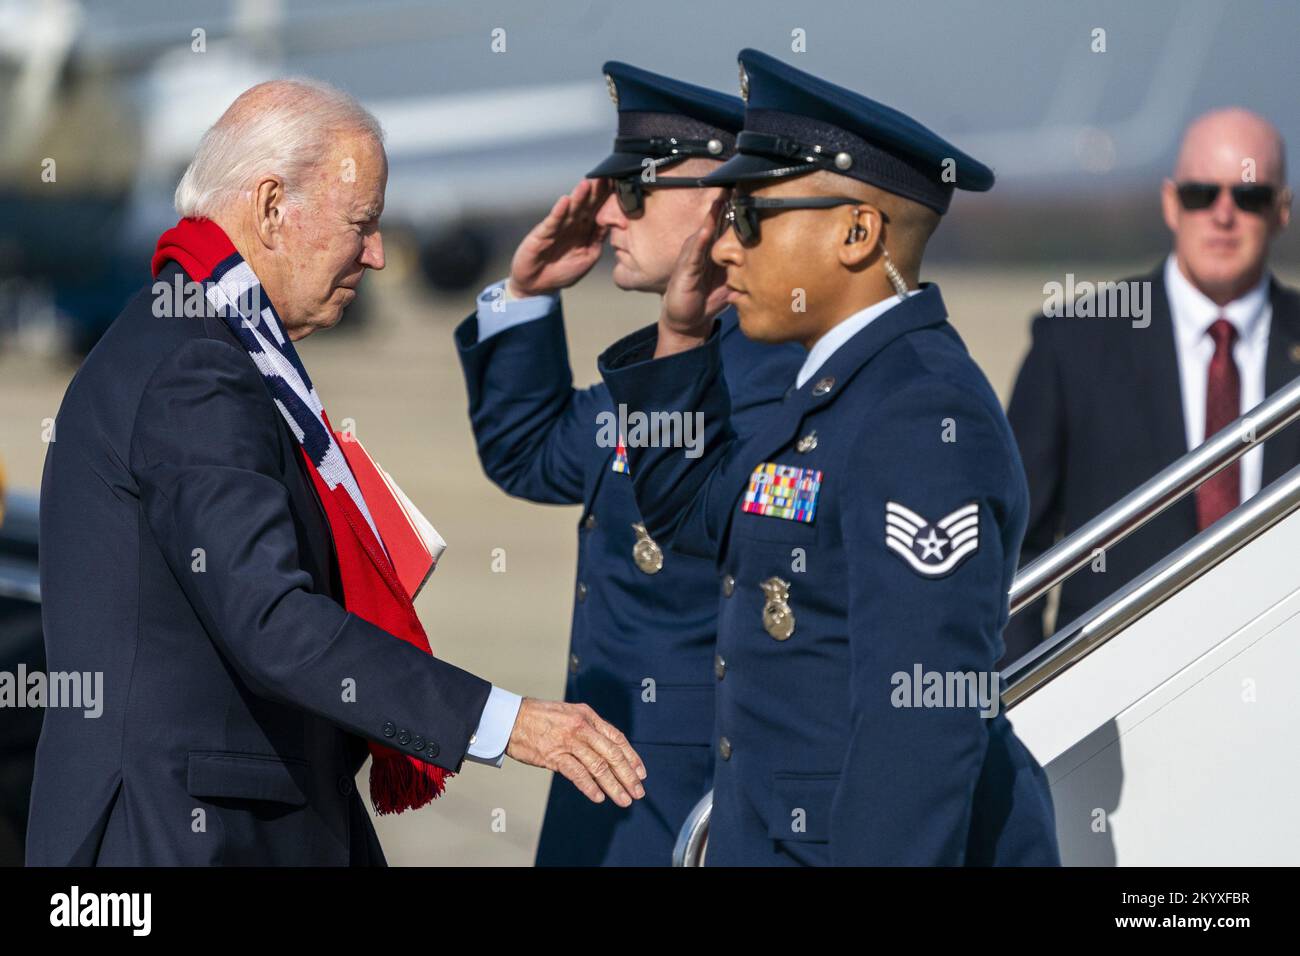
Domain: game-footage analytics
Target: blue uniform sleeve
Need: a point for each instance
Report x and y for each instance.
(536, 434)
(496, 312)
(678, 489)
(206, 451)
(758, 375)
(908, 780)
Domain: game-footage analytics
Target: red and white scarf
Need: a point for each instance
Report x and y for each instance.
(371, 588)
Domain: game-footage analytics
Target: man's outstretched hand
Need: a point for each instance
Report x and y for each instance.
(696, 292)
(563, 247)
(572, 740)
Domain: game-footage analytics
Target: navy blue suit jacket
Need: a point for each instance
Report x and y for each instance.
(184, 555)
(1097, 410)
(816, 761)
(537, 440)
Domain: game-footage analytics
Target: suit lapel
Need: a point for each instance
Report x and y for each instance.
(1156, 357)
(1282, 451)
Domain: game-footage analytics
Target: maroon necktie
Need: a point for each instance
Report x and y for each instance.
(1216, 497)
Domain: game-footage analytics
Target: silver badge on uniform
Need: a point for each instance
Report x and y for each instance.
(744, 84)
(649, 557)
(778, 619)
(613, 90)
(932, 549)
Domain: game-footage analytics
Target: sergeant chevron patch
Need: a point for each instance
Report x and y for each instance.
(932, 549)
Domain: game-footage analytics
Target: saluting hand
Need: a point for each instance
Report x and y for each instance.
(697, 291)
(563, 247)
(572, 740)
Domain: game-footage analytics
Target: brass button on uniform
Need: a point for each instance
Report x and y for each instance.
(582, 591)
(824, 385)
(589, 522)
(719, 666)
(573, 663)
(724, 748)
(647, 555)
(778, 618)
(728, 585)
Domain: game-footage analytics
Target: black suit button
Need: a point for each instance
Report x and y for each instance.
(403, 737)
(390, 728)
(345, 785)
(418, 743)
(433, 748)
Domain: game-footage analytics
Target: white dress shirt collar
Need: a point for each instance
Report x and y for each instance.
(1192, 315)
(840, 333)
(1193, 312)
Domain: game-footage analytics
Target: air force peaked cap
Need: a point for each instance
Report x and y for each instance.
(796, 123)
(666, 121)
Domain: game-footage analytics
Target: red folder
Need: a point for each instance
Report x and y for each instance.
(412, 543)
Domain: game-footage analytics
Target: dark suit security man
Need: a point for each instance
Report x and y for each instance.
(867, 531)
(644, 620)
(1104, 402)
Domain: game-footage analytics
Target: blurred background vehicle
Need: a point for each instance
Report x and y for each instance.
(103, 106)
(492, 110)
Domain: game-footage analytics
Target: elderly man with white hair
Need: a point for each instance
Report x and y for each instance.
(207, 546)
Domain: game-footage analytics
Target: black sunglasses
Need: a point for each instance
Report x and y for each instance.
(631, 189)
(742, 213)
(1255, 198)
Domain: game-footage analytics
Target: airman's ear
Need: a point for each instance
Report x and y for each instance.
(861, 233)
(268, 198)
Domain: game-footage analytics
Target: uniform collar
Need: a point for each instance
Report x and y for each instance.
(1193, 312)
(840, 333)
(894, 320)
(728, 319)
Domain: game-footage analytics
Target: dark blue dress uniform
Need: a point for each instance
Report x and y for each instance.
(644, 621)
(860, 552)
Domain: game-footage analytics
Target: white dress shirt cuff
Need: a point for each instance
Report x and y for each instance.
(488, 742)
(498, 310)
